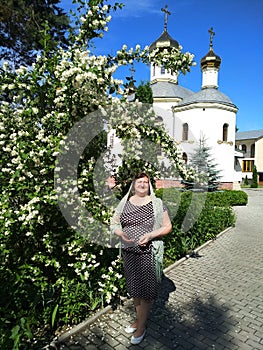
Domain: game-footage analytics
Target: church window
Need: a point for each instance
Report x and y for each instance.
(162, 70)
(112, 140)
(185, 132)
(247, 166)
(244, 148)
(185, 158)
(159, 150)
(252, 151)
(225, 132)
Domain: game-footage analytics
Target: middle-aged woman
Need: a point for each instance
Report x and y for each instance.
(139, 220)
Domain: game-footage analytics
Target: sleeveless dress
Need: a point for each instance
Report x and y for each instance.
(139, 266)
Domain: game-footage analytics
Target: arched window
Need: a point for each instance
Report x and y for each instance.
(244, 148)
(225, 132)
(185, 157)
(185, 132)
(252, 151)
(159, 150)
(112, 140)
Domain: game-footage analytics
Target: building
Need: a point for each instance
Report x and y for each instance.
(250, 145)
(190, 116)
(206, 114)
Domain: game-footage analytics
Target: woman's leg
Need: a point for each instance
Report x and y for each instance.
(143, 308)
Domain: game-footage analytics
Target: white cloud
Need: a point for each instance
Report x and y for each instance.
(139, 8)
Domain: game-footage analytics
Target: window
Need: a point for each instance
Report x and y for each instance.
(159, 150)
(154, 70)
(185, 132)
(252, 151)
(244, 148)
(225, 132)
(185, 157)
(112, 140)
(247, 166)
(162, 70)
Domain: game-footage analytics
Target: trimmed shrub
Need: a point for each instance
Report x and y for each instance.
(196, 217)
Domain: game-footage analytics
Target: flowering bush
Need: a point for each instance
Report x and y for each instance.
(49, 273)
(171, 58)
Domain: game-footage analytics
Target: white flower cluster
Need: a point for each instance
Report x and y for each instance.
(171, 58)
(107, 285)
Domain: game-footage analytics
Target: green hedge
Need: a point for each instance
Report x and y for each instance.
(228, 197)
(196, 217)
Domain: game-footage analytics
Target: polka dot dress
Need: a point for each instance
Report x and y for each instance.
(139, 265)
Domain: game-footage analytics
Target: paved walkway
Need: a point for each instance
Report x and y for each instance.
(214, 301)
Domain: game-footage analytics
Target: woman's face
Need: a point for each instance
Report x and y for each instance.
(141, 186)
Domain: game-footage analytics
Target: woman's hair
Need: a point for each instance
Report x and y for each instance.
(141, 175)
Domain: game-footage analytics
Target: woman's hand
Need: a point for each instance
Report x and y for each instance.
(145, 239)
(124, 237)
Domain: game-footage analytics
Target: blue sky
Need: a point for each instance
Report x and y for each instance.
(238, 40)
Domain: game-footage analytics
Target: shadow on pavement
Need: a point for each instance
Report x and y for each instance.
(194, 324)
(177, 321)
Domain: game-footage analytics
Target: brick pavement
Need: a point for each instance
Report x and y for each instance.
(214, 301)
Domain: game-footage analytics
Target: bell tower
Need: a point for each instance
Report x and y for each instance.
(165, 42)
(210, 65)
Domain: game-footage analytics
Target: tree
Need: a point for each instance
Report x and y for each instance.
(22, 24)
(208, 175)
(246, 181)
(254, 182)
(144, 92)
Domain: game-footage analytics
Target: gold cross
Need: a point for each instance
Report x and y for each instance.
(210, 31)
(166, 13)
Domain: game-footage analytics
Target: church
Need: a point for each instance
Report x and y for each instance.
(207, 114)
(190, 116)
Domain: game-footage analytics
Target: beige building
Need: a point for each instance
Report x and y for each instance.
(249, 146)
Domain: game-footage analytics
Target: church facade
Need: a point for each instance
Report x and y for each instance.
(190, 116)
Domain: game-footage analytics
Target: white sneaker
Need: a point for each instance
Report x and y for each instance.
(138, 340)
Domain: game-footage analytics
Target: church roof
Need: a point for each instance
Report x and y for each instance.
(211, 95)
(249, 135)
(168, 89)
(210, 60)
(164, 40)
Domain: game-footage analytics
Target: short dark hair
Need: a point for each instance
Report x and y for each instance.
(141, 175)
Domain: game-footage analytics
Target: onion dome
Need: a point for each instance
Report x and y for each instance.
(210, 59)
(165, 41)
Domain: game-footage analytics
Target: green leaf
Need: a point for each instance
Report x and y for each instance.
(54, 313)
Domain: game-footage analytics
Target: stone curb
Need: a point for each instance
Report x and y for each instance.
(108, 308)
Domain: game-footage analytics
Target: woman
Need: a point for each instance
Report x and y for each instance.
(139, 220)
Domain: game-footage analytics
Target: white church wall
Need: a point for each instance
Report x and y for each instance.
(208, 123)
